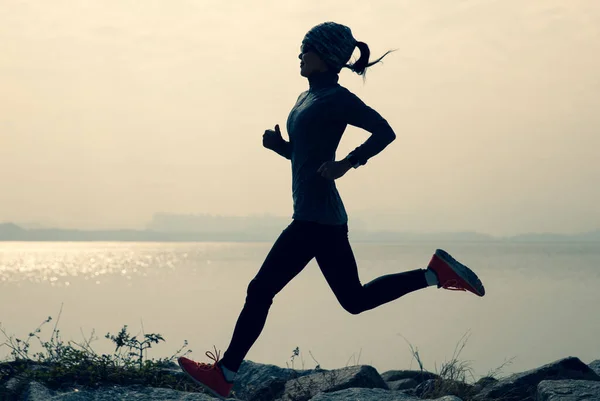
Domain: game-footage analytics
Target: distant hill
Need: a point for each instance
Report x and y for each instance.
(383, 236)
(267, 232)
(12, 232)
(591, 236)
(178, 223)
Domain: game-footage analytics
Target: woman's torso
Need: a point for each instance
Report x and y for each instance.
(315, 130)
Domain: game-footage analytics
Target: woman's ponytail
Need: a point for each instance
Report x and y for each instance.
(361, 65)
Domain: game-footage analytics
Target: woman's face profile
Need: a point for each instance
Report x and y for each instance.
(310, 62)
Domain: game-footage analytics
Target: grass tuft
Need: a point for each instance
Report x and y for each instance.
(455, 376)
(61, 364)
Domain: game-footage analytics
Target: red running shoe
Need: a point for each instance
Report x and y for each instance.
(453, 275)
(209, 376)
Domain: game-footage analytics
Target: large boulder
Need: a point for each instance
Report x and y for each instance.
(595, 366)
(438, 387)
(419, 375)
(364, 394)
(568, 390)
(424, 388)
(523, 386)
(449, 398)
(483, 383)
(37, 392)
(263, 382)
(270, 391)
(12, 388)
(306, 387)
(404, 384)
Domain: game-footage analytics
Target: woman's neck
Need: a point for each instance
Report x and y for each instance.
(318, 80)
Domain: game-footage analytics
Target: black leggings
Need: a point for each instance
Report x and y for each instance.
(293, 250)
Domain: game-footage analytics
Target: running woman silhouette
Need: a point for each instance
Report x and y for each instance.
(319, 223)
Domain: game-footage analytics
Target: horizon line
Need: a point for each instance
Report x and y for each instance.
(357, 230)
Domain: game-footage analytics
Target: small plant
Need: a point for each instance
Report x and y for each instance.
(415, 353)
(318, 365)
(455, 369)
(497, 372)
(355, 360)
(295, 354)
(19, 349)
(135, 348)
(60, 363)
(455, 376)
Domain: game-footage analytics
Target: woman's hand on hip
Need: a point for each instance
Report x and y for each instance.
(333, 170)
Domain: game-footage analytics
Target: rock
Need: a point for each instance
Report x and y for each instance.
(483, 383)
(568, 390)
(9, 390)
(364, 394)
(268, 392)
(522, 386)
(403, 384)
(418, 375)
(37, 392)
(595, 366)
(13, 384)
(171, 368)
(438, 387)
(426, 387)
(12, 388)
(304, 388)
(175, 372)
(260, 382)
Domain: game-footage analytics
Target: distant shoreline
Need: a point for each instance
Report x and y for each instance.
(10, 232)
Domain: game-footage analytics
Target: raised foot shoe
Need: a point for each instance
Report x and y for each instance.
(453, 275)
(210, 376)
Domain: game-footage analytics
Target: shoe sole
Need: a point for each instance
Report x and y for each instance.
(204, 386)
(463, 272)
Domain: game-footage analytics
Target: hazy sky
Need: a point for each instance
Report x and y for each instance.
(113, 110)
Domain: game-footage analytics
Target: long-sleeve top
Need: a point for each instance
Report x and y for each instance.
(315, 126)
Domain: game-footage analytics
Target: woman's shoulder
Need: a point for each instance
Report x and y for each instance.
(339, 92)
(345, 95)
(343, 91)
(301, 97)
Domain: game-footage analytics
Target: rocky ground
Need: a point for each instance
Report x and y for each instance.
(568, 379)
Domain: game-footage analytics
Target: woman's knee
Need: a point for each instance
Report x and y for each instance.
(352, 306)
(259, 293)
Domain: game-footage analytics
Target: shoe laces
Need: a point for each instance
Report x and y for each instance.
(210, 355)
(453, 285)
